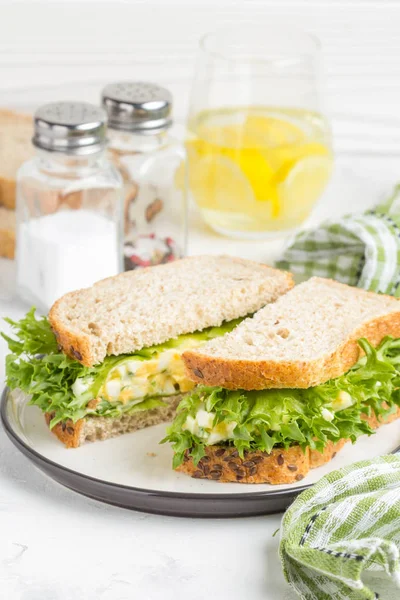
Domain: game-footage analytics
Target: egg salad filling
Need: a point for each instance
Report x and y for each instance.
(265, 419)
(136, 377)
(65, 389)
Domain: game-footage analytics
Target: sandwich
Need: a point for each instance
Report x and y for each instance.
(288, 387)
(107, 359)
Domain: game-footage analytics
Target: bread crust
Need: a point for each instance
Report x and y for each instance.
(7, 192)
(67, 432)
(75, 345)
(259, 375)
(92, 428)
(7, 243)
(7, 184)
(78, 344)
(278, 467)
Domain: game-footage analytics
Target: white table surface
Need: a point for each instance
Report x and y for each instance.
(55, 544)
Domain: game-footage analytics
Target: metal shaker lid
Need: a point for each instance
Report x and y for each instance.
(75, 128)
(137, 106)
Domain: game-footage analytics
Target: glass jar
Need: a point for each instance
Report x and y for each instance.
(258, 141)
(149, 159)
(69, 205)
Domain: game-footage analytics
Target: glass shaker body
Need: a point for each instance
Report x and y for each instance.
(69, 224)
(151, 162)
(154, 207)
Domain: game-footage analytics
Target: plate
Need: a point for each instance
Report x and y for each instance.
(134, 470)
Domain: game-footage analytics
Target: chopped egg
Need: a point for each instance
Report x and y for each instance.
(113, 388)
(165, 359)
(80, 386)
(164, 374)
(342, 401)
(205, 419)
(327, 414)
(147, 367)
(139, 387)
(191, 425)
(168, 387)
(222, 431)
(121, 370)
(200, 423)
(132, 365)
(126, 395)
(185, 384)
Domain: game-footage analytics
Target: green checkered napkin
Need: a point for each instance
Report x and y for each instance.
(361, 250)
(345, 524)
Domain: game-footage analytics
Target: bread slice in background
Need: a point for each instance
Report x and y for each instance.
(305, 338)
(7, 233)
(149, 306)
(16, 130)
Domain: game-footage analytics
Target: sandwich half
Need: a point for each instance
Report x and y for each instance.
(288, 387)
(107, 360)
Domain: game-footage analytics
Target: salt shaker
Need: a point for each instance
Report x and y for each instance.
(141, 146)
(69, 205)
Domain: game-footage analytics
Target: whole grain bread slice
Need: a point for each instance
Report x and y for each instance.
(149, 306)
(305, 338)
(92, 429)
(223, 463)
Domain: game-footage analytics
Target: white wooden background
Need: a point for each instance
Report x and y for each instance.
(66, 42)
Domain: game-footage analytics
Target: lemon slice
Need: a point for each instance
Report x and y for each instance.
(218, 183)
(287, 156)
(227, 136)
(303, 185)
(270, 132)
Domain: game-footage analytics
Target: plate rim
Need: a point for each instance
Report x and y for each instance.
(195, 495)
(184, 504)
(285, 495)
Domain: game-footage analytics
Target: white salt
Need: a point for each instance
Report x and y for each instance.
(65, 251)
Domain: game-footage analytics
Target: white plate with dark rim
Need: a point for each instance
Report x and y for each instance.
(134, 470)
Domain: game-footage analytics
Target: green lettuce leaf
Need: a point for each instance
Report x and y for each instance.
(185, 339)
(282, 417)
(37, 367)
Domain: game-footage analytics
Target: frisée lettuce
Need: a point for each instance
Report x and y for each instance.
(63, 387)
(263, 420)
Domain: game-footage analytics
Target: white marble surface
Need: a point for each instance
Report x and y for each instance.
(55, 544)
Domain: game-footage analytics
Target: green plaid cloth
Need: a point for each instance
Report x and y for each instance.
(348, 522)
(361, 250)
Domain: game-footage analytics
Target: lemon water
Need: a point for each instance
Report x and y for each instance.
(254, 170)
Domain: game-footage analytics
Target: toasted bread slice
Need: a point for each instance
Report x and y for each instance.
(305, 338)
(223, 463)
(7, 233)
(149, 306)
(16, 131)
(92, 429)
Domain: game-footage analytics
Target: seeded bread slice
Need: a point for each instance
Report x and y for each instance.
(92, 429)
(149, 306)
(7, 233)
(305, 338)
(223, 463)
(16, 131)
